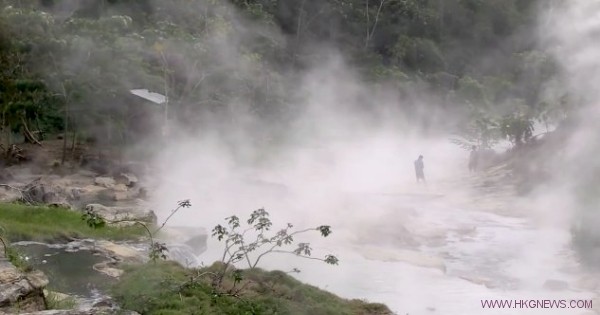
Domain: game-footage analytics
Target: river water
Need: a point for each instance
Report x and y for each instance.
(429, 256)
(435, 249)
(441, 248)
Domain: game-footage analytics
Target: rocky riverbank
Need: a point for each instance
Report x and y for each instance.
(20, 291)
(52, 231)
(109, 193)
(59, 197)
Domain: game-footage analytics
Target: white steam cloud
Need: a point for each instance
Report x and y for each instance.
(351, 142)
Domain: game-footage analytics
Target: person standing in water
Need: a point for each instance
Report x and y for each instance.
(473, 159)
(419, 167)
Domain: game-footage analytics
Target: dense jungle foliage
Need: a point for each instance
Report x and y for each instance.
(69, 65)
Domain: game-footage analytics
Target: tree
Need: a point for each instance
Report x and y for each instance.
(517, 126)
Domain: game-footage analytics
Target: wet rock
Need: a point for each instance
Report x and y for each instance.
(121, 252)
(120, 188)
(21, 291)
(8, 194)
(108, 269)
(93, 193)
(556, 285)
(124, 213)
(37, 279)
(56, 296)
(106, 182)
(120, 196)
(120, 192)
(126, 179)
(105, 302)
(76, 180)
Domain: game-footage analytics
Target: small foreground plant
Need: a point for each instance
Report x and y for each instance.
(239, 248)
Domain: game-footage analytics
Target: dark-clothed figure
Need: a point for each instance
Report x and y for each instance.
(419, 169)
(473, 159)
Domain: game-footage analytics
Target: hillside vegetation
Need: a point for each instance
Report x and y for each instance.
(237, 66)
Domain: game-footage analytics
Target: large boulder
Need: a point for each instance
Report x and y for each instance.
(108, 268)
(126, 179)
(93, 192)
(106, 182)
(121, 252)
(19, 291)
(10, 194)
(50, 191)
(124, 213)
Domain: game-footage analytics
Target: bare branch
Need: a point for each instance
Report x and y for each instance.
(5, 247)
(181, 204)
(370, 34)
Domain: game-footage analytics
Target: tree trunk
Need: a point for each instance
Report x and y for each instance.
(298, 31)
(27, 134)
(441, 8)
(368, 25)
(372, 32)
(73, 140)
(66, 131)
(6, 130)
(39, 128)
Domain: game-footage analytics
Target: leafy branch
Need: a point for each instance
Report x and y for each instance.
(157, 250)
(237, 248)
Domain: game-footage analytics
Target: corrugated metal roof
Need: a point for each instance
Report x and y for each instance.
(150, 96)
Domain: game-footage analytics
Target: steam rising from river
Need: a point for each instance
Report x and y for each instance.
(568, 30)
(347, 137)
(350, 146)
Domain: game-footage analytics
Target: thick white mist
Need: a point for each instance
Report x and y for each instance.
(345, 141)
(345, 168)
(570, 30)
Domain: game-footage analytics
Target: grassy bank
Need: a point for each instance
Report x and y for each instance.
(161, 289)
(45, 224)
